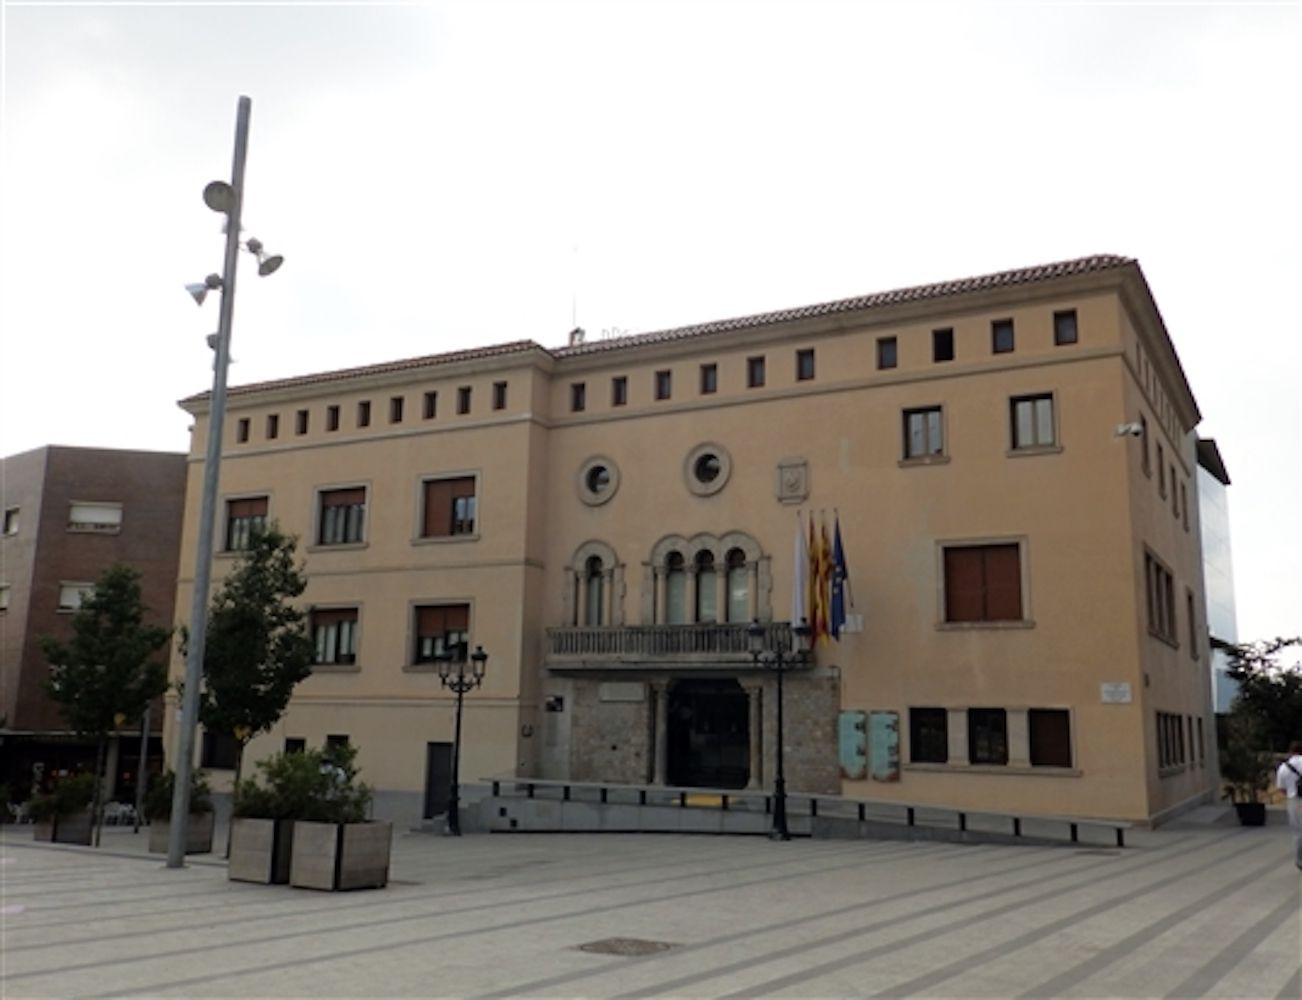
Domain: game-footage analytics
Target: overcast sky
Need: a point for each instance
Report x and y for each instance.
(448, 175)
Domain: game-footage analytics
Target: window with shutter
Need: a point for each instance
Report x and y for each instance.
(450, 507)
(334, 631)
(441, 630)
(244, 517)
(1050, 737)
(983, 583)
(341, 517)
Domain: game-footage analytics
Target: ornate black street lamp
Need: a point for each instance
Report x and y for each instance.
(781, 660)
(452, 675)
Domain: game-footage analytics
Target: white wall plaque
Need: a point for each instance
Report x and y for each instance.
(1115, 693)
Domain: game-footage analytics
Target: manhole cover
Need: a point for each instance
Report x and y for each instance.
(625, 946)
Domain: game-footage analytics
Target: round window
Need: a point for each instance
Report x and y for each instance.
(597, 481)
(707, 469)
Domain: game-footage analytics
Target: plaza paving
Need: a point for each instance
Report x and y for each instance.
(1192, 909)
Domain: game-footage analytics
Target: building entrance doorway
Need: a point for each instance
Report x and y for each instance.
(708, 734)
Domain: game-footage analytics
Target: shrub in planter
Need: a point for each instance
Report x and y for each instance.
(303, 820)
(63, 815)
(158, 810)
(1244, 768)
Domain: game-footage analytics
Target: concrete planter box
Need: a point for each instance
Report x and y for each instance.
(43, 830)
(74, 829)
(198, 836)
(260, 850)
(335, 856)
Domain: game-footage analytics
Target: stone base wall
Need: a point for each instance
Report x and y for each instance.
(610, 732)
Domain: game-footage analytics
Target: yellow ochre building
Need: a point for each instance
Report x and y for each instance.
(1011, 461)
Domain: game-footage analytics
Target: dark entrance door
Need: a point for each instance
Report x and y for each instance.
(438, 778)
(708, 734)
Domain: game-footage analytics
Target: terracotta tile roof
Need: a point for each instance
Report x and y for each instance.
(941, 289)
(1020, 276)
(426, 361)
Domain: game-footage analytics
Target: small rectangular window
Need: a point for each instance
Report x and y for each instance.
(295, 744)
(105, 518)
(1191, 615)
(987, 736)
(618, 390)
(243, 518)
(334, 635)
(395, 409)
(341, 516)
(219, 751)
(709, 379)
(804, 364)
(431, 405)
(942, 344)
(1184, 507)
(928, 735)
(1001, 336)
(1175, 501)
(1160, 593)
(11, 521)
(499, 395)
(578, 397)
(664, 384)
(1161, 472)
(441, 630)
(364, 413)
(923, 432)
(983, 583)
(332, 418)
(1143, 435)
(72, 594)
(1049, 730)
(1064, 327)
(273, 426)
(242, 430)
(755, 372)
(450, 507)
(887, 353)
(1032, 421)
(300, 422)
(4, 597)
(336, 740)
(463, 399)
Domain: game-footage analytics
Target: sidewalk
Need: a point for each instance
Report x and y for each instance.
(1188, 910)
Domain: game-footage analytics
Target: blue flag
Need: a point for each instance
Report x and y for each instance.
(840, 580)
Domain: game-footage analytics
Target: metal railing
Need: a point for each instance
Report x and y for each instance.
(720, 642)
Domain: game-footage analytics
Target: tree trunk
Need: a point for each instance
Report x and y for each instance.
(96, 807)
(239, 767)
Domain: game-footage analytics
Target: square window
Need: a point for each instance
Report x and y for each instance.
(431, 406)
(395, 409)
(923, 432)
(618, 390)
(242, 430)
(887, 353)
(334, 635)
(1001, 336)
(664, 384)
(754, 372)
(332, 418)
(1032, 421)
(11, 521)
(105, 518)
(987, 736)
(1064, 327)
(341, 516)
(804, 364)
(578, 397)
(983, 583)
(709, 379)
(449, 507)
(463, 400)
(300, 422)
(499, 395)
(1049, 730)
(244, 517)
(273, 426)
(441, 630)
(364, 413)
(928, 735)
(942, 344)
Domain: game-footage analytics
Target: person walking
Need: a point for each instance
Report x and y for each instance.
(1289, 778)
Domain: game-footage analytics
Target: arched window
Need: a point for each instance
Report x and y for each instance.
(738, 587)
(593, 591)
(707, 588)
(675, 590)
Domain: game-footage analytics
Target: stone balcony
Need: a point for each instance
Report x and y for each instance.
(641, 647)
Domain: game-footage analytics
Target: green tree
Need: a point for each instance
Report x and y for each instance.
(257, 647)
(106, 673)
(1269, 691)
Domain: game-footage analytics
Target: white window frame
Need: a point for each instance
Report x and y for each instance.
(68, 587)
(103, 517)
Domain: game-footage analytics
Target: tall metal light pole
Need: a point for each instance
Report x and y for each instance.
(459, 682)
(227, 199)
(781, 660)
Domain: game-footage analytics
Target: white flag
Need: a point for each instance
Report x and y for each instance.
(799, 576)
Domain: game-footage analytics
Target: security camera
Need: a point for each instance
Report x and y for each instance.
(1131, 429)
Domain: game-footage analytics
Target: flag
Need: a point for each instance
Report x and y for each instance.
(799, 577)
(840, 581)
(824, 580)
(811, 581)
